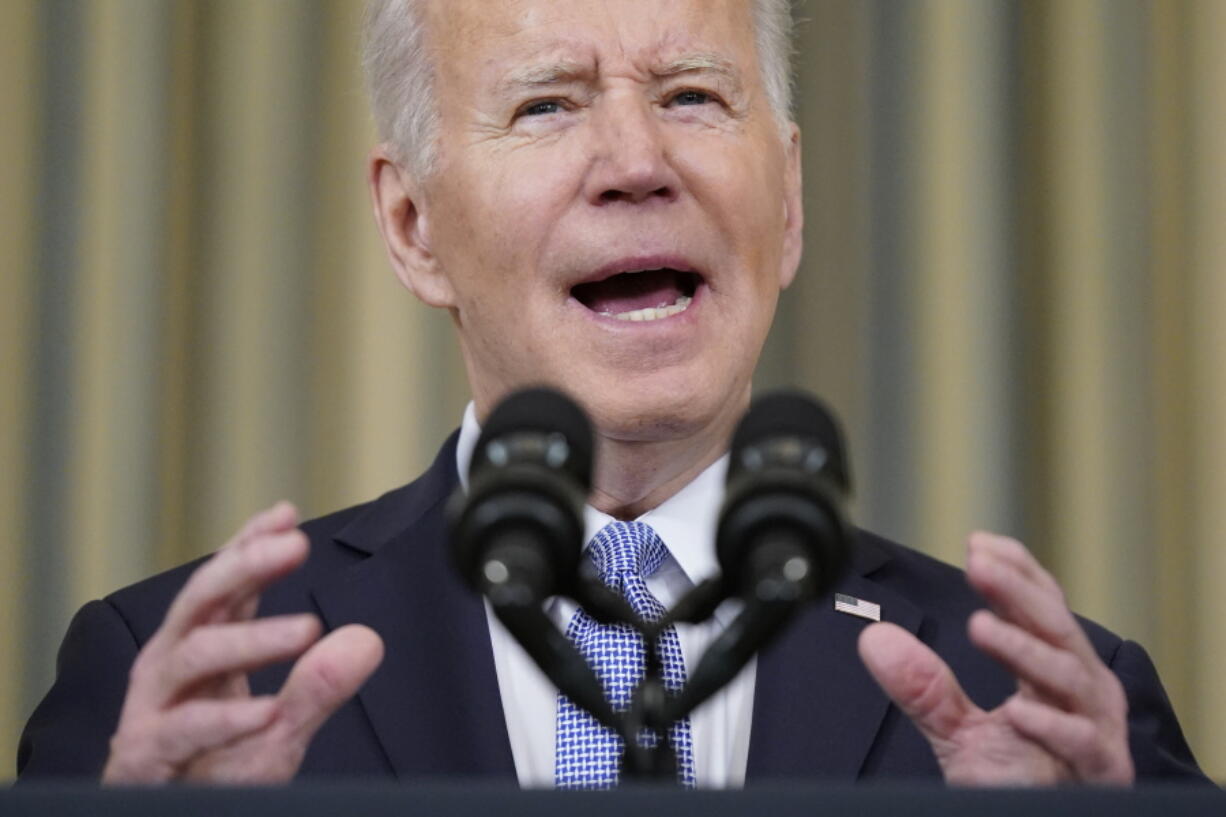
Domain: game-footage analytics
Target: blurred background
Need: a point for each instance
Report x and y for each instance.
(1012, 292)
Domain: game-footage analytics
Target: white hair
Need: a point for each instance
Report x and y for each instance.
(400, 74)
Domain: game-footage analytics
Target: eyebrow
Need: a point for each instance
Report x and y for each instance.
(554, 73)
(535, 76)
(693, 63)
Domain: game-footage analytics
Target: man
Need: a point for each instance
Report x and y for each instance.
(607, 198)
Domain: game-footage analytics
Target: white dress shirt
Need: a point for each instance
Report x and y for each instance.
(720, 727)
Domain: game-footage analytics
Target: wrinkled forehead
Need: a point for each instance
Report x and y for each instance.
(481, 38)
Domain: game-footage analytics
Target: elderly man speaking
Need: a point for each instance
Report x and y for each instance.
(606, 197)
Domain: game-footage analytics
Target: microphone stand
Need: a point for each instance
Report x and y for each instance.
(776, 594)
(558, 657)
(652, 761)
(778, 588)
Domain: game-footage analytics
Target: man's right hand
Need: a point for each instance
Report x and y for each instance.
(189, 714)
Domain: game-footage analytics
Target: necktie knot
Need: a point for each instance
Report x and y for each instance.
(623, 551)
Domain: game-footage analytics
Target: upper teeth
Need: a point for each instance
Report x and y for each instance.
(653, 313)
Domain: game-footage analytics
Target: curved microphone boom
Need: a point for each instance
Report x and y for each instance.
(782, 538)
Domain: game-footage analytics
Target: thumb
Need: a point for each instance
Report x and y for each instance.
(916, 680)
(327, 675)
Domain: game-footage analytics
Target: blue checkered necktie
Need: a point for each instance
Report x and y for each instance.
(588, 754)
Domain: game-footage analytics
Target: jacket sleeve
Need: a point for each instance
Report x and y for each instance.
(1159, 750)
(69, 733)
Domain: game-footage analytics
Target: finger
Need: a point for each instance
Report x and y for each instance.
(277, 518)
(1095, 755)
(1050, 673)
(326, 676)
(208, 653)
(242, 610)
(245, 609)
(1017, 554)
(917, 680)
(233, 576)
(1033, 605)
(156, 754)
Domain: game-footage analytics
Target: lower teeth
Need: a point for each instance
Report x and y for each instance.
(654, 313)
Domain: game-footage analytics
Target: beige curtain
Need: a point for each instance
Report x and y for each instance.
(1016, 261)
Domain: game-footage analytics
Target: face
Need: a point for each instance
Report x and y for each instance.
(615, 209)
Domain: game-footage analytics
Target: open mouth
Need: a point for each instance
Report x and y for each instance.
(648, 295)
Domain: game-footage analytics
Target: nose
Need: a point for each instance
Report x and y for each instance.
(630, 161)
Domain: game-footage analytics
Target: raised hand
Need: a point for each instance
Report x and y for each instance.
(189, 713)
(1068, 719)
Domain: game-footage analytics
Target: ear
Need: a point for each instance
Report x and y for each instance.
(397, 200)
(793, 209)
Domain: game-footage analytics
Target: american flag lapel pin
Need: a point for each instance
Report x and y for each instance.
(853, 606)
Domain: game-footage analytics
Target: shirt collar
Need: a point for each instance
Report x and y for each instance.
(685, 521)
(470, 432)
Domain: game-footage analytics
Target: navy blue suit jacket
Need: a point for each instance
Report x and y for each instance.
(433, 708)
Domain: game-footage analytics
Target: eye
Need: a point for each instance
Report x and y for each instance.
(542, 107)
(692, 97)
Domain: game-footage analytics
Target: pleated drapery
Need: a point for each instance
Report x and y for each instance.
(1012, 291)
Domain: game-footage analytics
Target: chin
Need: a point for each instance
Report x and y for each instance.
(655, 411)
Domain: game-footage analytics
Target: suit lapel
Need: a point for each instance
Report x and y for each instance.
(434, 702)
(813, 676)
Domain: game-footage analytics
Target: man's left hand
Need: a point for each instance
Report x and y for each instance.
(1068, 720)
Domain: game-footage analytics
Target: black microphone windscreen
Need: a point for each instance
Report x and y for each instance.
(545, 411)
(790, 412)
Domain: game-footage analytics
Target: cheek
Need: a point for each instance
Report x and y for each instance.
(728, 182)
(505, 209)
(518, 181)
(484, 235)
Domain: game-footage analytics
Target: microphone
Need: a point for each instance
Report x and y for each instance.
(782, 537)
(782, 532)
(517, 534)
